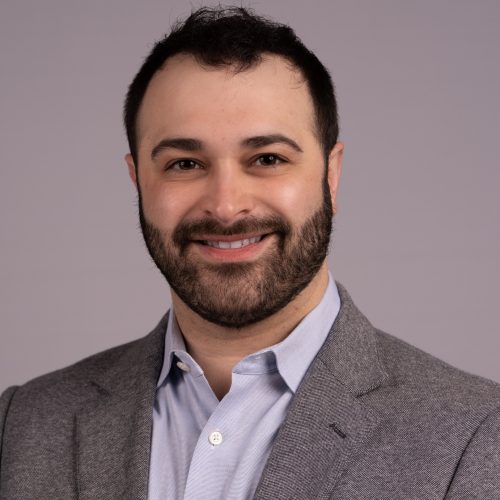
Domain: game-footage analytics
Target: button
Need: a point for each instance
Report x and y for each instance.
(215, 438)
(183, 366)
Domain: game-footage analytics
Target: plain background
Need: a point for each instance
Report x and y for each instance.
(417, 237)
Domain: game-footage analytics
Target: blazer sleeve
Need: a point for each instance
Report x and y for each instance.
(478, 473)
(5, 400)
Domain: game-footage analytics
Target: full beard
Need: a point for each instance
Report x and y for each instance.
(237, 294)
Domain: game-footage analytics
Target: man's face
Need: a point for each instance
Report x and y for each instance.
(234, 203)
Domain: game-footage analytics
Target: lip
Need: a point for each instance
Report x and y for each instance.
(232, 237)
(247, 253)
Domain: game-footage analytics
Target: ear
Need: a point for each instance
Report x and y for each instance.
(334, 171)
(132, 172)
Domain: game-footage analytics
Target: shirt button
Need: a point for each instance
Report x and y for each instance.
(183, 366)
(215, 438)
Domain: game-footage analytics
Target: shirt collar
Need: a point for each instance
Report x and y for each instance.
(292, 356)
(296, 352)
(174, 342)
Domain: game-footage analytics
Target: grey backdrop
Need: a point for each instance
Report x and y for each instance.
(417, 238)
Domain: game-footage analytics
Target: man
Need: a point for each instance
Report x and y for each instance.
(264, 380)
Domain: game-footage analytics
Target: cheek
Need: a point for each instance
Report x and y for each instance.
(165, 205)
(297, 200)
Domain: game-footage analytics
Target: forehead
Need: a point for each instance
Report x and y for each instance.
(188, 98)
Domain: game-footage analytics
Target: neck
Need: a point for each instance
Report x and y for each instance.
(217, 349)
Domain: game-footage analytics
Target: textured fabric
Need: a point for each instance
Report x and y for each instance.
(373, 419)
(184, 464)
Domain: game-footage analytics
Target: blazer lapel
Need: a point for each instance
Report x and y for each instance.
(328, 423)
(113, 430)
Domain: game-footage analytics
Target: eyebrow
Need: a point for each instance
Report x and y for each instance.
(260, 141)
(186, 144)
(189, 144)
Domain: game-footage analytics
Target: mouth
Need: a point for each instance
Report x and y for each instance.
(232, 248)
(227, 243)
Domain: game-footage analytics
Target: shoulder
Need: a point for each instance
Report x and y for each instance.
(425, 383)
(70, 386)
(443, 414)
(50, 401)
(414, 375)
(410, 365)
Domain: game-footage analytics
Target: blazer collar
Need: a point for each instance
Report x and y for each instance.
(327, 424)
(113, 429)
(350, 352)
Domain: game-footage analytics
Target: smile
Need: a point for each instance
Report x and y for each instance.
(232, 244)
(236, 248)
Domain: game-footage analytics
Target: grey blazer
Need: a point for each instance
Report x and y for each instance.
(374, 418)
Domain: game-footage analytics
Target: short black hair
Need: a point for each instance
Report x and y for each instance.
(224, 36)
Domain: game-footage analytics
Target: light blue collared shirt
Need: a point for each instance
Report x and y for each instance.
(205, 448)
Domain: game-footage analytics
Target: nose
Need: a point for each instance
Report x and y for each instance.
(228, 196)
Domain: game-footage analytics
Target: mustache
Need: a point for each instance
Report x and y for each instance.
(187, 231)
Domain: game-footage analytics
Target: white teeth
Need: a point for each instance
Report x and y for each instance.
(233, 244)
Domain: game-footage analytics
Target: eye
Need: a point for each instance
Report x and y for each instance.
(184, 164)
(269, 160)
